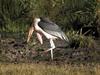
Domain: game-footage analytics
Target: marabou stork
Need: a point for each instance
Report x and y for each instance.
(47, 28)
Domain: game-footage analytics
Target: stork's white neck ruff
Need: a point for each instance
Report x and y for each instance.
(36, 20)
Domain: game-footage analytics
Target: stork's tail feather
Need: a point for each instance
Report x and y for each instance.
(65, 37)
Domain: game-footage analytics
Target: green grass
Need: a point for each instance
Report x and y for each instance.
(80, 40)
(44, 69)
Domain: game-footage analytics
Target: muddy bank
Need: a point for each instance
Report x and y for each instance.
(17, 50)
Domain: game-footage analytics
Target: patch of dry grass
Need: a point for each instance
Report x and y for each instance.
(44, 69)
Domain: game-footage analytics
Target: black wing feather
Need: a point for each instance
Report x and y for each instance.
(51, 28)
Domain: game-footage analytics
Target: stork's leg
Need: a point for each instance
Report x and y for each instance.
(52, 47)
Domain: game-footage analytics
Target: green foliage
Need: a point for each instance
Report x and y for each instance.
(14, 8)
(12, 26)
(10, 11)
(79, 40)
(66, 13)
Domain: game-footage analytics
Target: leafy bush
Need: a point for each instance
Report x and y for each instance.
(68, 14)
(79, 40)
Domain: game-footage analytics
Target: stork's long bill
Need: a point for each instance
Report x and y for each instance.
(30, 33)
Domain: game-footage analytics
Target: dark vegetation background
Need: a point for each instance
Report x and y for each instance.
(17, 15)
(79, 19)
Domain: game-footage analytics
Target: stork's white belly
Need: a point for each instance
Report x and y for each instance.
(48, 36)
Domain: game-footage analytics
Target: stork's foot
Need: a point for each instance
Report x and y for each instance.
(46, 51)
